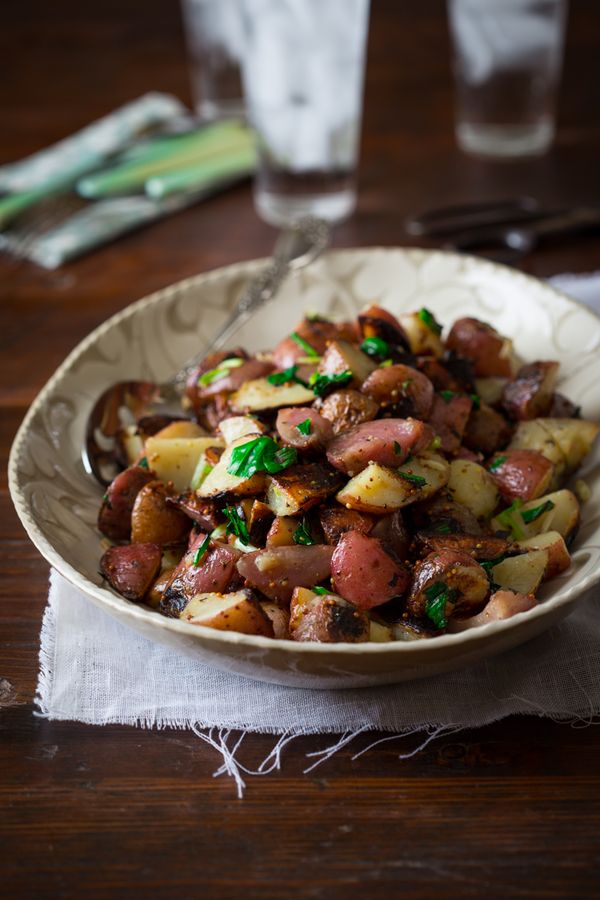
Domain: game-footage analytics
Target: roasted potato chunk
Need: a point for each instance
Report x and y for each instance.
(327, 619)
(239, 611)
(298, 488)
(155, 520)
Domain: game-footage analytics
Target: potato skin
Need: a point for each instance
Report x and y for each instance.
(131, 569)
(387, 442)
(403, 390)
(215, 573)
(327, 619)
(321, 429)
(154, 520)
(530, 394)
(364, 574)
(486, 430)
(521, 474)
(489, 352)
(114, 518)
(448, 419)
(277, 571)
(347, 408)
(459, 572)
(336, 520)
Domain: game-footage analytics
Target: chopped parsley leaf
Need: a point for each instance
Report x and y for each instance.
(285, 377)
(236, 524)
(442, 528)
(201, 551)
(406, 383)
(376, 347)
(437, 596)
(321, 384)
(475, 400)
(436, 443)
(530, 515)
(302, 534)
(513, 520)
(447, 396)
(304, 345)
(304, 427)
(143, 463)
(417, 480)
(261, 454)
(488, 564)
(320, 590)
(496, 463)
(386, 363)
(429, 319)
(220, 371)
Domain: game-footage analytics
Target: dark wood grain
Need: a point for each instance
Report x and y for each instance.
(508, 810)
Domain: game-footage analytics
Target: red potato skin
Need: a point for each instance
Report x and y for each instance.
(130, 570)
(481, 344)
(352, 451)
(315, 332)
(374, 321)
(290, 567)
(477, 546)
(456, 569)
(364, 574)
(114, 518)
(204, 512)
(562, 408)
(393, 534)
(523, 474)
(321, 430)
(530, 395)
(406, 390)
(501, 605)
(486, 430)
(209, 362)
(448, 420)
(327, 621)
(154, 520)
(441, 378)
(337, 520)
(216, 573)
(253, 368)
(347, 408)
(443, 510)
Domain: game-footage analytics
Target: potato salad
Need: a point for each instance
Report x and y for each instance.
(374, 480)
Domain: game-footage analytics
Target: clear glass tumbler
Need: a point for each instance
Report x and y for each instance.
(215, 41)
(303, 71)
(507, 64)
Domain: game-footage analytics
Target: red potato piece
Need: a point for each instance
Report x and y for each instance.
(280, 619)
(477, 546)
(131, 569)
(521, 474)
(337, 520)
(235, 378)
(530, 395)
(562, 408)
(465, 453)
(448, 419)
(327, 619)
(443, 511)
(204, 512)
(385, 441)
(486, 430)
(364, 574)
(393, 534)
(320, 433)
(114, 518)
(347, 408)
(209, 362)
(277, 571)
(490, 353)
(459, 572)
(154, 520)
(316, 332)
(215, 572)
(374, 321)
(406, 390)
(501, 605)
(443, 378)
(342, 357)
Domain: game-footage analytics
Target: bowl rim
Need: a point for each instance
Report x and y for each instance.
(106, 598)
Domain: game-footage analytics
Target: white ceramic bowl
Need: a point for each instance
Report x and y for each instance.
(58, 503)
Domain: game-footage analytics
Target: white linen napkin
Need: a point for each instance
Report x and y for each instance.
(97, 671)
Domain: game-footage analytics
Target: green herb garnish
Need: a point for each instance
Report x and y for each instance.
(201, 551)
(442, 528)
(302, 534)
(488, 564)
(429, 319)
(322, 383)
(220, 371)
(499, 461)
(310, 351)
(475, 400)
(304, 427)
(417, 480)
(386, 363)
(320, 590)
(530, 515)
(236, 524)
(513, 520)
(375, 347)
(447, 396)
(437, 596)
(406, 383)
(285, 377)
(261, 454)
(436, 443)
(144, 462)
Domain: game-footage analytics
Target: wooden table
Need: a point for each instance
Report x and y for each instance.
(512, 809)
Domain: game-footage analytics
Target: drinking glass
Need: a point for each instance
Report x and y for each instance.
(507, 63)
(303, 71)
(215, 41)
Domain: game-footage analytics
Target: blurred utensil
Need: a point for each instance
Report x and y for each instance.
(124, 402)
(505, 231)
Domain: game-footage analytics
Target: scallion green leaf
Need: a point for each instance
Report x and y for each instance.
(302, 534)
(285, 377)
(322, 384)
(310, 351)
(201, 551)
(429, 319)
(437, 595)
(497, 462)
(375, 347)
(220, 371)
(417, 480)
(236, 524)
(530, 515)
(304, 427)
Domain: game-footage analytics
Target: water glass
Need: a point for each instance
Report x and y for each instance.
(215, 41)
(303, 71)
(507, 63)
